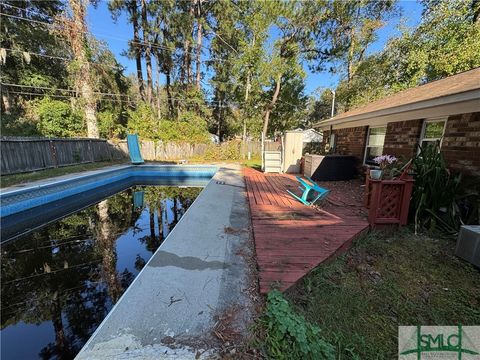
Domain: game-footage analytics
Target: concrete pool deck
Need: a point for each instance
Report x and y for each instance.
(201, 271)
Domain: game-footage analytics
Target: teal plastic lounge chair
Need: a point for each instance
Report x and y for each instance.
(134, 149)
(311, 192)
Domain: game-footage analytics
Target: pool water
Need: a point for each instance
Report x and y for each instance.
(59, 282)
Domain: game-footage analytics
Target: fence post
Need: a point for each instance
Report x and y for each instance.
(53, 152)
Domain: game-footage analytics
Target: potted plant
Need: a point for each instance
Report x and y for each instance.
(383, 162)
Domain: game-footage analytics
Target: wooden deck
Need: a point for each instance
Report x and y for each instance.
(291, 238)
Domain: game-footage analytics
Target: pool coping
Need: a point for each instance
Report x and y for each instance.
(127, 331)
(40, 193)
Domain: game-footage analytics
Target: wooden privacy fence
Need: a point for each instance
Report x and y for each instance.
(159, 151)
(22, 154)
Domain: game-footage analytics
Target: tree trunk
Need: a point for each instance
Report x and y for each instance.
(90, 110)
(219, 115)
(271, 105)
(169, 94)
(148, 55)
(152, 221)
(247, 93)
(7, 104)
(138, 48)
(62, 347)
(186, 48)
(160, 223)
(199, 43)
(79, 44)
(106, 244)
(158, 102)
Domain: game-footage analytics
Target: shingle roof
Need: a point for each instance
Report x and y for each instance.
(455, 84)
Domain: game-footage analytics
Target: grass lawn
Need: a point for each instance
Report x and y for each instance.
(9, 180)
(387, 280)
(253, 163)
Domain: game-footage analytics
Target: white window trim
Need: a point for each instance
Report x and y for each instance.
(424, 125)
(366, 142)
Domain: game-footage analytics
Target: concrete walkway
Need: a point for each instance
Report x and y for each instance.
(199, 272)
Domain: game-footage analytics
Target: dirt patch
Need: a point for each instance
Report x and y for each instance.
(234, 231)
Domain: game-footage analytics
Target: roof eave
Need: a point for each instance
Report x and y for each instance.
(442, 100)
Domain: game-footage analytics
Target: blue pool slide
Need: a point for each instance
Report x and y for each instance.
(134, 149)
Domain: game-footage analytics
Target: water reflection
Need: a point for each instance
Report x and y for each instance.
(58, 283)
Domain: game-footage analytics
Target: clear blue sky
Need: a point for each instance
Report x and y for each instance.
(116, 34)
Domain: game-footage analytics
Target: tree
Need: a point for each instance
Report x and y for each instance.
(446, 42)
(294, 24)
(147, 50)
(74, 29)
(345, 33)
(20, 42)
(135, 48)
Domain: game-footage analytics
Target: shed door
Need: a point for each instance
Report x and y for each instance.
(293, 152)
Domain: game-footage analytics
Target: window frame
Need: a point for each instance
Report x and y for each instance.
(424, 127)
(367, 141)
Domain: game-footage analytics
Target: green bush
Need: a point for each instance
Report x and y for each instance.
(288, 335)
(16, 124)
(188, 128)
(108, 125)
(226, 151)
(142, 121)
(56, 118)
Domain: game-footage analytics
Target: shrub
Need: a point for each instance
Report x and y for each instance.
(56, 118)
(188, 128)
(16, 124)
(434, 192)
(288, 335)
(108, 124)
(142, 121)
(229, 150)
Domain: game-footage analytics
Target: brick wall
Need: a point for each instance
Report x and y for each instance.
(461, 143)
(350, 141)
(402, 138)
(460, 146)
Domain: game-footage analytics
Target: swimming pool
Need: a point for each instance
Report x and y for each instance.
(60, 281)
(71, 247)
(25, 208)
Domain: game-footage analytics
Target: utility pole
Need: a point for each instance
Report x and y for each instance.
(333, 102)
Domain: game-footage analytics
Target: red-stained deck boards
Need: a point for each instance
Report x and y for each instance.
(290, 238)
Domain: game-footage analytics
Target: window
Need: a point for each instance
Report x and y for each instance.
(432, 132)
(333, 143)
(375, 141)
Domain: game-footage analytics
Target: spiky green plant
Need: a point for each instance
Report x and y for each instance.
(434, 193)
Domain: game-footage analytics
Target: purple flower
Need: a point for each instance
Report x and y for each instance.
(385, 160)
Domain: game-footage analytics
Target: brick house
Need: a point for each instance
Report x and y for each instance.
(446, 110)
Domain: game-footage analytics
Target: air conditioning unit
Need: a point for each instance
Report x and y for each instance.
(468, 244)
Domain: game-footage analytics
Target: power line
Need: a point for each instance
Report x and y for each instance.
(155, 46)
(29, 20)
(51, 272)
(143, 43)
(26, 93)
(64, 96)
(57, 89)
(58, 57)
(26, 10)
